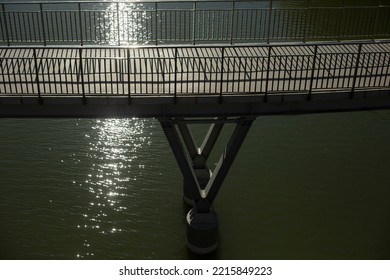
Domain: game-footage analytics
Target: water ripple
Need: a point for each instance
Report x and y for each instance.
(114, 146)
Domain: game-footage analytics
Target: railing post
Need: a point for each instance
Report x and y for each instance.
(351, 95)
(80, 24)
(82, 75)
(155, 21)
(118, 25)
(340, 19)
(305, 23)
(37, 76)
(232, 22)
(267, 77)
(5, 25)
(128, 74)
(175, 86)
(312, 72)
(374, 27)
(194, 7)
(269, 21)
(43, 24)
(222, 72)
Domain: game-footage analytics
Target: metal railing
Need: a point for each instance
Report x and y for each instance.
(189, 22)
(184, 71)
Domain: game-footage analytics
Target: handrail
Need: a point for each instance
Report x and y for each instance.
(159, 25)
(186, 46)
(301, 69)
(165, 1)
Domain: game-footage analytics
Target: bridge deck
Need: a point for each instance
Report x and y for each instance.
(178, 72)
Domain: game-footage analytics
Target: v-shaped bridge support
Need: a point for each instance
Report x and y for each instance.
(201, 185)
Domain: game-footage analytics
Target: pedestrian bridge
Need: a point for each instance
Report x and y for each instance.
(192, 58)
(193, 62)
(203, 81)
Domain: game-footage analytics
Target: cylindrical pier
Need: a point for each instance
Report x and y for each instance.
(202, 231)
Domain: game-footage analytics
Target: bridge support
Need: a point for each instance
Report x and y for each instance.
(201, 185)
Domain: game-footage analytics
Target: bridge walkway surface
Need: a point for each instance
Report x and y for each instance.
(116, 75)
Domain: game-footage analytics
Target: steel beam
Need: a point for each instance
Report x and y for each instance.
(181, 158)
(188, 138)
(227, 158)
(204, 196)
(211, 137)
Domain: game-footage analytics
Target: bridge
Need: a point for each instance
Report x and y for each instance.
(201, 62)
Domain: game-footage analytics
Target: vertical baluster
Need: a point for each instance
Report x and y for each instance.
(194, 22)
(5, 72)
(222, 73)
(305, 25)
(47, 65)
(155, 21)
(81, 73)
(37, 76)
(340, 20)
(375, 25)
(175, 85)
(73, 25)
(118, 23)
(312, 72)
(14, 72)
(43, 24)
(5, 25)
(255, 60)
(381, 58)
(57, 26)
(27, 83)
(80, 24)
(232, 22)
(269, 21)
(267, 78)
(34, 21)
(24, 19)
(128, 75)
(356, 71)
(243, 31)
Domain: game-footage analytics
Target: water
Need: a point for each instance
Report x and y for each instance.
(135, 23)
(312, 186)
(302, 187)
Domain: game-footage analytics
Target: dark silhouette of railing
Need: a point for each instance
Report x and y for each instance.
(184, 71)
(189, 22)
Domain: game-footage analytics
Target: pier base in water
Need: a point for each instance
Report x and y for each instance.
(202, 231)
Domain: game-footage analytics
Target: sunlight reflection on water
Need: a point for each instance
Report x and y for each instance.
(126, 24)
(114, 147)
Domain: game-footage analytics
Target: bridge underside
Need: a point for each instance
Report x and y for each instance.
(192, 106)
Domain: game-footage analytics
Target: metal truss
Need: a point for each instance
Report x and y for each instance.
(191, 159)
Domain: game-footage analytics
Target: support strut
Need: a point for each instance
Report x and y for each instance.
(201, 185)
(198, 156)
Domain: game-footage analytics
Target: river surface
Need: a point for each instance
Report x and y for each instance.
(306, 187)
(302, 187)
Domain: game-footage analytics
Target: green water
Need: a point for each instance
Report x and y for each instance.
(302, 187)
